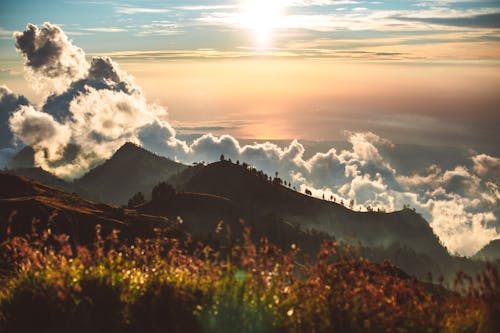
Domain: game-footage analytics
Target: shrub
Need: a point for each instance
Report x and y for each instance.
(163, 285)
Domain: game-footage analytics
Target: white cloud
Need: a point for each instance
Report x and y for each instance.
(140, 10)
(104, 29)
(52, 62)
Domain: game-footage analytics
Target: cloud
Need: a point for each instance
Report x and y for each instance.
(487, 166)
(103, 108)
(98, 111)
(490, 20)
(5, 34)
(51, 60)
(140, 10)
(104, 74)
(9, 102)
(40, 131)
(104, 29)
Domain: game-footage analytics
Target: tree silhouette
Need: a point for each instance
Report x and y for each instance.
(162, 192)
(222, 158)
(137, 199)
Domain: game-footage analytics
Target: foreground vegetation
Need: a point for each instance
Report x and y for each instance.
(167, 285)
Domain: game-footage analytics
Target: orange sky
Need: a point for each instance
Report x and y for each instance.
(318, 99)
(280, 98)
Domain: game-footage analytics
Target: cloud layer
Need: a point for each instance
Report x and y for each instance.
(96, 107)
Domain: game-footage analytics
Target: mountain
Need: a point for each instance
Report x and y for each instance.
(25, 158)
(130, 170)
(25, 204)
(403, 237)
(257, 196)
(490, 252)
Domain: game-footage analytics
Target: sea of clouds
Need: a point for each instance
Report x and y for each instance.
(97, 107)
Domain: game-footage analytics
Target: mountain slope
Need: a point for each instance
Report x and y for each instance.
(207, 218)
(130, 170)
(45, 177)
(257, 196)
(490, 252)
(25, 204)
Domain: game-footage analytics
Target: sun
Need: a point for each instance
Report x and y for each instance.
(262, 16)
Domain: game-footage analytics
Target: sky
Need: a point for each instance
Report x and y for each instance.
(329, 65)
(400, 83)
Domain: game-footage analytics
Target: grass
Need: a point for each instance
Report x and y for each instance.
(164, 285)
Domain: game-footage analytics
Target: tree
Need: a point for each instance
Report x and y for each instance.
(308, 192)
(162, 192)
(222, 158)
(136, 200)
(351, 203)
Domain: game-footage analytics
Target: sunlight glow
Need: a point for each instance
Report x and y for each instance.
(263, 16)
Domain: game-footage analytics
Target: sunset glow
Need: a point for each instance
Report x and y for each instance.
(262, 16)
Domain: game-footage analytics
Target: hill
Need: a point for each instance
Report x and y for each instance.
(45, 177)
(130, 170)
(257, 196)
(26, 204)
(403, 237)
(490, 252)
(209, 218)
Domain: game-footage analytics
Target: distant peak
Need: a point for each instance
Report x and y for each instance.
(129, 147)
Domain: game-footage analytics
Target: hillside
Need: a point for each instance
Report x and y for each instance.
(25, 204)
(207, 218)
(44, 177)
(490, 252)
(130, 170)
(258, 197)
